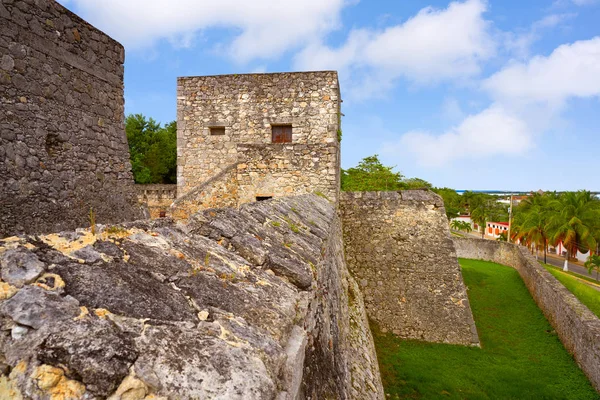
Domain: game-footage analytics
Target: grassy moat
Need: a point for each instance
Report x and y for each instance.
(521, 356)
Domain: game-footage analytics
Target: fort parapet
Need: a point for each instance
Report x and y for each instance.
(63, 149)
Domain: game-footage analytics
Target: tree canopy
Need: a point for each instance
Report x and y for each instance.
(152, 149)
(572, 218)
(371, 175)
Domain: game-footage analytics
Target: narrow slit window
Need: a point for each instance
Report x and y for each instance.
(217, 130)
(263, 198)
(281, 133)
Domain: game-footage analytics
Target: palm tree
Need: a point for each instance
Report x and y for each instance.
(531, 220)
(574, 221)
(480, 211)
(456, 224)
(593, 263)
(465, 226)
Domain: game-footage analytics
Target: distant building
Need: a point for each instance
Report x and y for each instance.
(495, 229)
(560, 250)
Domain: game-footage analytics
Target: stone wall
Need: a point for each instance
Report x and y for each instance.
(246, 107)
(398, 248)
(219, 191)
(278, 170)
(157, 198)
(63, 148)
(577, 327)
(249, 303)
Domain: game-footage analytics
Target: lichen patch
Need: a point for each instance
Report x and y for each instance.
(53, 382)
(7, 291)
(49, 281)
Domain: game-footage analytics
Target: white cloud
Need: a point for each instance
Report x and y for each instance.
(267, 28)
(572, 70)
(520, 43)
(434, 45)
(494, 131)
(566, 3)
(528, 100)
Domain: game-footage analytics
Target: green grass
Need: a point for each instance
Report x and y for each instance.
(521, 356)
(584, 277)
(587, 295)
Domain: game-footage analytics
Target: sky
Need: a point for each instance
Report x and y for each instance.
(468, 94)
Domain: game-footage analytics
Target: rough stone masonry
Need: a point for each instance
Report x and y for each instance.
(233, 120)
(399, 250)
(63, 149)
(254, 303)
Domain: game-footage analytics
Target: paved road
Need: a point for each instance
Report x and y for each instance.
(572, 267)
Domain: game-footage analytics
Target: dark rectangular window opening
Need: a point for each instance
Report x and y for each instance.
(217, 130)
(281, 133)
(263, 198)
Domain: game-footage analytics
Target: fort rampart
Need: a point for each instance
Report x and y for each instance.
(398, 248)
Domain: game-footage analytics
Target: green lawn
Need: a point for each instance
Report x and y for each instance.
(521, 356)
(587, 295)
(584, 277)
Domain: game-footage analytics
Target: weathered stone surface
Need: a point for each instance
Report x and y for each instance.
(247, 106)
(399, 250)
(196, 310)
(20, 266)
(34, 307)
(577, 327)
(94, 351)
(63, 149)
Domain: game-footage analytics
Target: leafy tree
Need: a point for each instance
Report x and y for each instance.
(593, 263)
(417, 183)
(152, 149)
(452, 202)
(484, 208)
(503, 237)
(461, 226)
(371, 175)
(574, 221)
(465, 226)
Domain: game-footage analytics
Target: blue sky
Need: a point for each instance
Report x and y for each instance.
(470, 94)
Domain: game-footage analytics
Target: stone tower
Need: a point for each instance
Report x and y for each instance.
(263, 135)
(63, 149)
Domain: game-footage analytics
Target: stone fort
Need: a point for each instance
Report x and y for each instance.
(261, 281)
